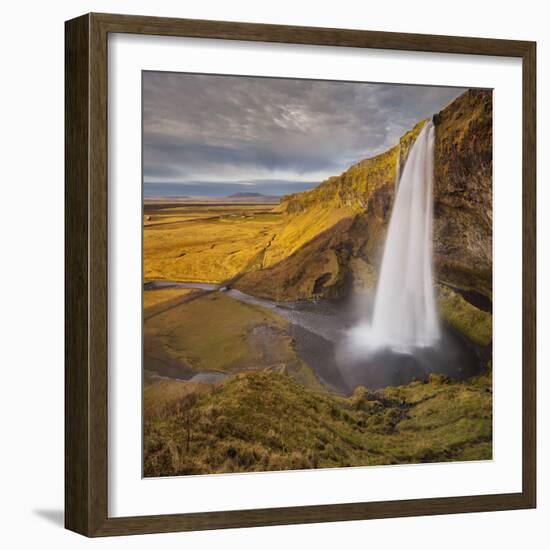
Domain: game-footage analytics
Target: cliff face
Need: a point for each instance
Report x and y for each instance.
(335, 233)
(463, 193)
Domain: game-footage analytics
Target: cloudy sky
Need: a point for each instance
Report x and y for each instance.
(216, 135)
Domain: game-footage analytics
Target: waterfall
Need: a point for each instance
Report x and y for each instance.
(405, 315)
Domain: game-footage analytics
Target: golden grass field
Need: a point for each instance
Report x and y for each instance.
(207, 243)
(214, 243)
(191, 329)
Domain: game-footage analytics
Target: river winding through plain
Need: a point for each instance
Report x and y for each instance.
(319, 329)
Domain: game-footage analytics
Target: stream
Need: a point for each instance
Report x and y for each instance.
(319, 330)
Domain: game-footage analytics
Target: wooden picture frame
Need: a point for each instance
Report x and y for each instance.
(86, 230)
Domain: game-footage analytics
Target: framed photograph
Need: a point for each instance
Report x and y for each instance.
(300, 275)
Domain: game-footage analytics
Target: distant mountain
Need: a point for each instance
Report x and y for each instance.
(177, 197)
(249, 196)
(219, 189)
(244, 195)
(240, 194)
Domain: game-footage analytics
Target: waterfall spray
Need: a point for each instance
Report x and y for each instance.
(405, 315)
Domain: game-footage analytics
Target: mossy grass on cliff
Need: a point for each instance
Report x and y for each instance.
(263, 420)
(473, 323)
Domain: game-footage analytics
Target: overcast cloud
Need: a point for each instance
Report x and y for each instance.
(201, 130)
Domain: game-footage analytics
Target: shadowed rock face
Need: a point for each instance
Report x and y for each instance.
(348, 253)
(322, 268)
(463, 193)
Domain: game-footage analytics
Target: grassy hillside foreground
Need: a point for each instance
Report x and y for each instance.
(263, 420)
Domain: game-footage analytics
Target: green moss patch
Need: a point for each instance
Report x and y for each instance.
(475, 324)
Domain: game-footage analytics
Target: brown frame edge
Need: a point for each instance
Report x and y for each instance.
(86, 428)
